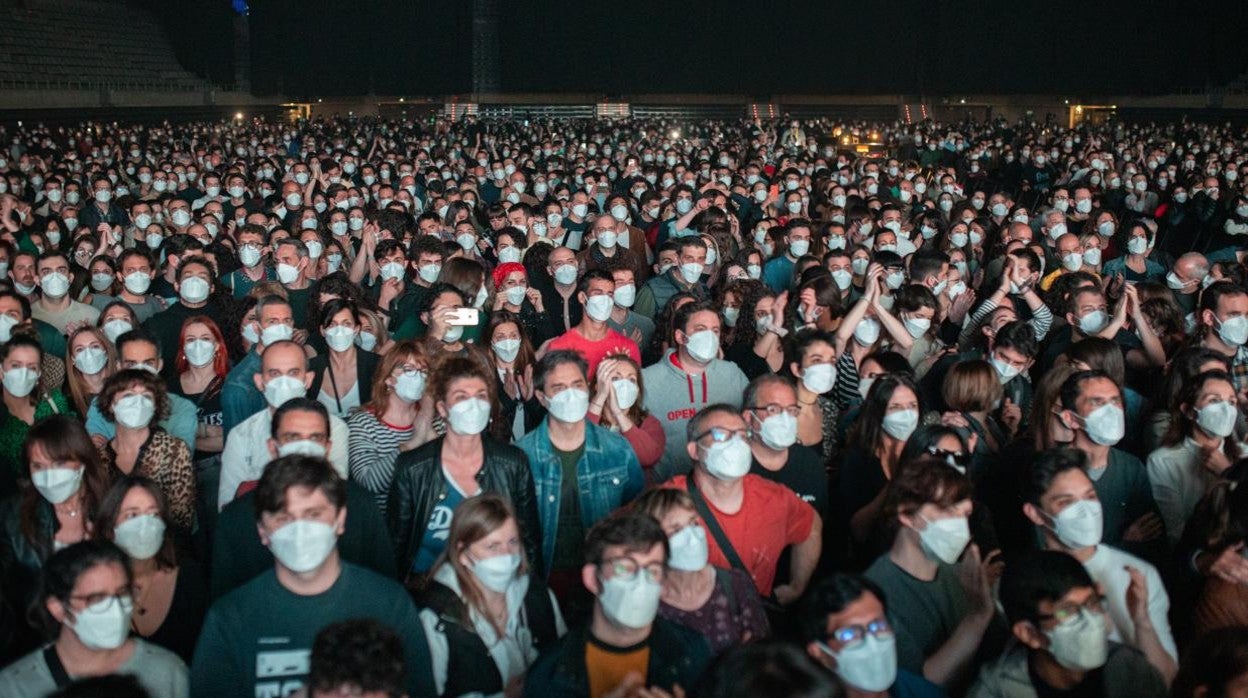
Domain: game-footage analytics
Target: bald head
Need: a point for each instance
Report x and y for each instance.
(1191, 267)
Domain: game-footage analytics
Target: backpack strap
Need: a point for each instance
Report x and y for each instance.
(708, 519)
(55, 667)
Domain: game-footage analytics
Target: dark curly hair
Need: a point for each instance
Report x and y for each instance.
(751, 292)
(361, 654)
(129, 378)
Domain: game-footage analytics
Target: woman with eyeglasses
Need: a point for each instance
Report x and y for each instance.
(722, 604)
(170, 594)
(395, 420)
(86, 606)
(485, 612)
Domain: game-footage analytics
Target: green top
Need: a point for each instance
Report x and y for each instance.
(570, 536)
(13, 430)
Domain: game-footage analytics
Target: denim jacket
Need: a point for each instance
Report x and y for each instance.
(608, 476)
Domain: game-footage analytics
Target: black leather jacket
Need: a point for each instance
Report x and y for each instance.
(20, 565)
(419, 485)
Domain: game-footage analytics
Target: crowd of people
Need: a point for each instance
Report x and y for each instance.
(623, 408)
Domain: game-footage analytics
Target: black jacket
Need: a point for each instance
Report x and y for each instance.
(366, 363)
(21, 562)
(678, 655)
(419, 485)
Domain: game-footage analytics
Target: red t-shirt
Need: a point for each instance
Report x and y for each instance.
(771, 519)
(612, 343)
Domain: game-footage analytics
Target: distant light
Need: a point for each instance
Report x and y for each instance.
(675, 133)
(1066, 101)
(238, 115)
(964, 101)
(401, 99)
(318, 99)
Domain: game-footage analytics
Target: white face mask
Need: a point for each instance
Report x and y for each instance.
(691, 272)
(870, 665)
(140, 536)
(114, 329)
(900, 424)
(916, 326)
(104, 625)
(302, 546)
(687, 548)
(631, 603)
(778, 432)
(57, 484)
(469, 417)
(283, 388)
(1079, 525)
(819, 378)
(1082, 643)
(599, 308)
(200, 352)
(134, 411)
(496, 573)
(728, 460)
(943, 540)
(1105, 425)
(867, 332)
(1217, 419)
(279, 332)
(565, 274)
(90, 360)
(703, 346)
(569, 405)
(410, 386)
(193, 289)
(1233, 330)
(54, 285)
(340, 338)
(626, 392)
(625, 295)
(20, 381)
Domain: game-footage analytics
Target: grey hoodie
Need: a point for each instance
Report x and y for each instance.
(674, 397)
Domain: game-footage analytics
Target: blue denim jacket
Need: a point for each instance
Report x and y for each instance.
(608, 476)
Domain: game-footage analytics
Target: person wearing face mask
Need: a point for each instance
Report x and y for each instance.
(103, 208)
(343, 377)
(593, 338)
(1135, 265)
(618, 399)
(938, 588)
(798, 239)
(431, 481)
(624, 319)
(1199, 449)
(731, 501)
(54, 305)
(846, 630)
(685, 276)
(1092, 408)
(301, 511)
(135, 272)
(195, 282)
(86, 604)
(282, 375)
(1061, 502)
(92, 360)
(688, 377)
(1223, 327)
(240, 399)
(566, 452)
(860, 332)
(132, 400)
(484, 613)
(292, 263)
(771, 410)
(1185, 279)
(609, 250)
(1060, 642)
(625, 645)
(560, 296)
(170, 589)
(719, 603)
(26, 395)
(57, 497)
(253, 245)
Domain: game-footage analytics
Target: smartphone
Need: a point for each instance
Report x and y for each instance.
(466, 317)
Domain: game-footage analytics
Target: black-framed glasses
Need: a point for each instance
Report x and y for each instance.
(1067, 612)
(88, 600)
(851, 635)
(627, 569)
(722, 434)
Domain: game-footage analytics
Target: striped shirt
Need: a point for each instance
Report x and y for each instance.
(373, 450)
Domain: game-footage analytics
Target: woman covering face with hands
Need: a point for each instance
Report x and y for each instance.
(618, 399)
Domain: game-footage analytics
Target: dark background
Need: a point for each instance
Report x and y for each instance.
(311, 48)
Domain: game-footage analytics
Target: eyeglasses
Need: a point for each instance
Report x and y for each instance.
(721, 434)
(774, 409)
(626, 569)
(125, 599)
(1067, 612)
(852, 635)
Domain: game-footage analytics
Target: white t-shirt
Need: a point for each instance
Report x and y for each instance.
(1107, 567)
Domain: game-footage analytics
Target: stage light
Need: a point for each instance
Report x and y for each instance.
(238, 115)
(675, 133)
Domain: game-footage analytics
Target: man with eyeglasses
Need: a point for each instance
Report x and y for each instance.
(770, 410)
(845, 627)
(1060, 500)
(626, 649)
(593, 338)
(283, 376)
(1062, 646)
(751, 520)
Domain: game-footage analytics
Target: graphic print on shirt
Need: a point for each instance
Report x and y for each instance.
(280, 671)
